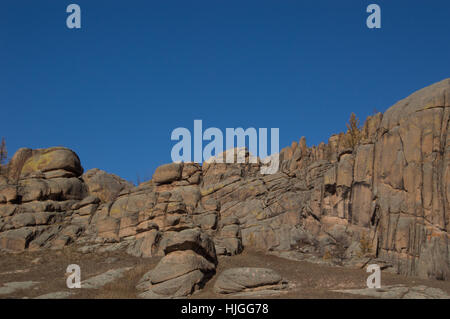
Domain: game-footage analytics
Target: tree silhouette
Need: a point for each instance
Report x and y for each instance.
(3, 155)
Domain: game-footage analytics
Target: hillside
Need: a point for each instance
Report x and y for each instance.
(384, 199)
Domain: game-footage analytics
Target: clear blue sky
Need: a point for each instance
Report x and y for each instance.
(114, 90)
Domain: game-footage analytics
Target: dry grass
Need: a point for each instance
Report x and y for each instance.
(50, 271)
(365, 246)
(310, 280)
(125, 287)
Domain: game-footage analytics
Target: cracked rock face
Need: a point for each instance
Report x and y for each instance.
(386, 197)
(103, 185)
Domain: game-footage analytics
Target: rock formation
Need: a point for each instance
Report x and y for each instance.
(190, 260)
(249, 281)
(386, 197)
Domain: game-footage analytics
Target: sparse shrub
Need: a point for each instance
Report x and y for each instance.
(336, 252)
(327, 255)
(365, 246)
(124, 288)
(340, 248)
(305, 244)
(353, 135)
(3, 157)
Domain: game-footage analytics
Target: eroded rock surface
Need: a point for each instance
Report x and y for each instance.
(105, 186)
(247, 279)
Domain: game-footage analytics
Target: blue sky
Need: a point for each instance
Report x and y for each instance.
(114, 90)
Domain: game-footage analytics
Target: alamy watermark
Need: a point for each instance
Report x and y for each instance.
(74, 276)
(374, 280)
(235, 152)
(73, 20)
(374, 19)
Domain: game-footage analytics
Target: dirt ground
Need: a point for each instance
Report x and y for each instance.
(307, 280)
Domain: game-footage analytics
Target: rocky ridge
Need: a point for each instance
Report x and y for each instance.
(386, 198)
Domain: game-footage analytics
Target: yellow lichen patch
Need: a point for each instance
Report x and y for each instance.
(429, 105)
(260, 215)
(36, 163)
(116, 211)
(327, 255)
(216, 187)
(251, 240)
(55, 158)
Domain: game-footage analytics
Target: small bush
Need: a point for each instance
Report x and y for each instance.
(353, 135)
(337, 251)
(3, 157)
(365, 246)
(327, 255)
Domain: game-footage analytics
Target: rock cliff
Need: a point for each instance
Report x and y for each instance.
(385, 198)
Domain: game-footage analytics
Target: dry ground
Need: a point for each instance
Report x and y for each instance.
(308, 280)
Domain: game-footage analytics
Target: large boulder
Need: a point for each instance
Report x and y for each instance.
(59, 189)
(178, 274)
(104, 185)
(190, 261)
(18, 239)
(168, 173)
(36, 203)
(16, 163)
(247, 279)
(52, 162)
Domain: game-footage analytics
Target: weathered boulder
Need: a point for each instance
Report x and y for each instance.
(178, 274)
(189, 239)
(59, 189)
(48, 160)
(385, 195)
(37, 201)
(190, 261)
(16, 163)
(236, 280)
(18, 239)
(229, 239)
(8, 193)
(105, 186)
(146, 244)
(168, 173)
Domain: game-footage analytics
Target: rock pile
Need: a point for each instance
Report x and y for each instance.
(38, 200)
(189, 261)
